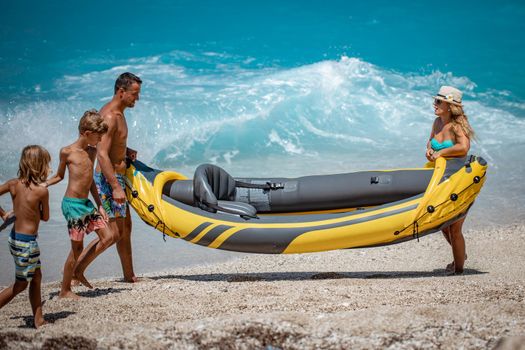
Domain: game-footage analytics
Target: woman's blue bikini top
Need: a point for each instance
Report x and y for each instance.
(438, 146)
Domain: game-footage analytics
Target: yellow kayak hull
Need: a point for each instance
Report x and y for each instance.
(447, 198)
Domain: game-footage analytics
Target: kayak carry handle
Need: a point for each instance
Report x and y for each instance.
(160, 181)
(440, 166)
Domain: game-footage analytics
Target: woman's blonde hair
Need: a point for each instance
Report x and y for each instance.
(34, 165)
(460, 120)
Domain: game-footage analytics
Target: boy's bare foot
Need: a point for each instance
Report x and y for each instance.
(74, 279)
(69, 295)
(39, 322)
(82, 279)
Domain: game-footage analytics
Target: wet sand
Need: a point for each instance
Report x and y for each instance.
(395, 297)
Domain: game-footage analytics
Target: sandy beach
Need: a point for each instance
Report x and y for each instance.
(282, 90)
(394, 297)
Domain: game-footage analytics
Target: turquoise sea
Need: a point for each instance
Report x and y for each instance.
(282, 88)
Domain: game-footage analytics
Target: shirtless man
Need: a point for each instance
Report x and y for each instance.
(111, 166)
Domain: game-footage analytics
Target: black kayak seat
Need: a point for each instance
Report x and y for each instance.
(214, 190)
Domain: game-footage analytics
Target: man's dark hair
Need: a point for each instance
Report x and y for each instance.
(125, 80)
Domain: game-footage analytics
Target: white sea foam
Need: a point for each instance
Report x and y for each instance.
(288, 145)
(349, 101)
(218, 108)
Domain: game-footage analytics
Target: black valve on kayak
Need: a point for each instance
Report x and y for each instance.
(453, 197)
(431, 209)
(468, 161)
(477, 179)
(275, 185)
(134, 194)
(151, 207)
(381, 180)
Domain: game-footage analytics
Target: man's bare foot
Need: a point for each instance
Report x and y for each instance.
(133, 279)
(82, 279)
(69, 295)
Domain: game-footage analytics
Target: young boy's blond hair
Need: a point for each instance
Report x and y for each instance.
(92, 121)
(34, 165)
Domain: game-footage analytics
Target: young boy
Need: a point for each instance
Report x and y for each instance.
(30, 204)
(82, 217)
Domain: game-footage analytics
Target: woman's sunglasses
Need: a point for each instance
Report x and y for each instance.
(437, 102)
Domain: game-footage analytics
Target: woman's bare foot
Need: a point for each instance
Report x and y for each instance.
(69, 295)
(451, 267)
(82, 279)
(458, 272)
(453, 273)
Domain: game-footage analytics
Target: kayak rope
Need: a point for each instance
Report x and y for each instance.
(151, 209)
(430, 209)
(415, 231)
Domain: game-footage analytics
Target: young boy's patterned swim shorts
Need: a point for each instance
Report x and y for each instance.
(82, 217)
(26, 254)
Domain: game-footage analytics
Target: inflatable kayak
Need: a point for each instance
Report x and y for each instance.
(305, 214)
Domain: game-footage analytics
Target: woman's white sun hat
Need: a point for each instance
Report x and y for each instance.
(449, 94)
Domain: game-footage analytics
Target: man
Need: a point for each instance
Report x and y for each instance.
(112, 151)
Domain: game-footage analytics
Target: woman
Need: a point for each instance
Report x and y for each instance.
(450, 137)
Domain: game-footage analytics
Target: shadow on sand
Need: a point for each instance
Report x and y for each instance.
(298, 276)
(49, 317)
(93, 293)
